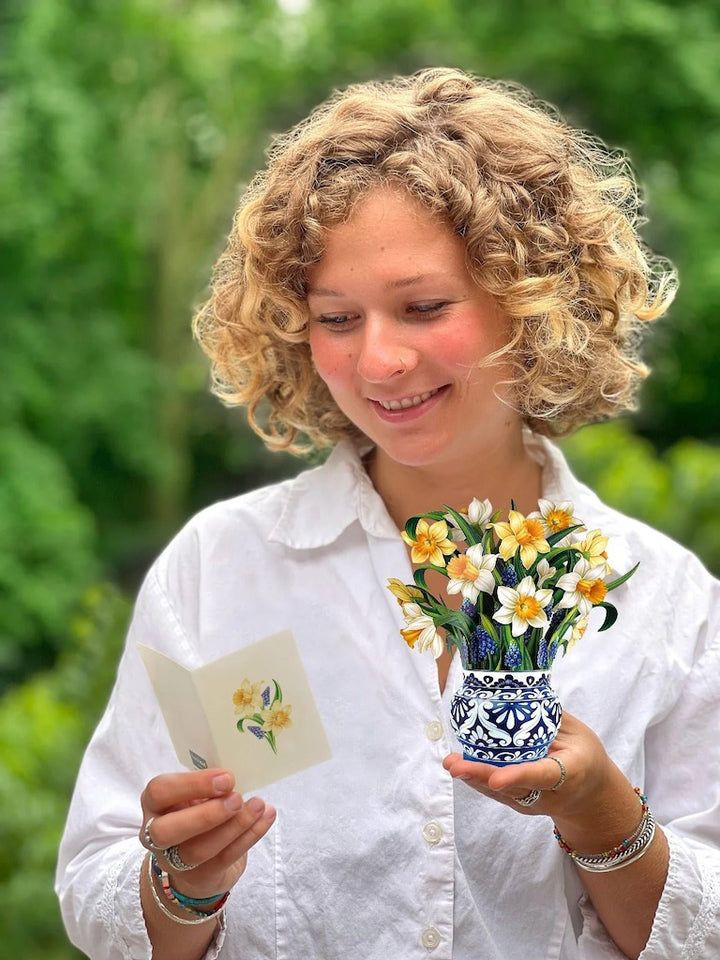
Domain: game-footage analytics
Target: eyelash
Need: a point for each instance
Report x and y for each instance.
(423, 309)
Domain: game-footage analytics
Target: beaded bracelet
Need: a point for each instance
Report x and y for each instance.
(218, 902)
(625, 853)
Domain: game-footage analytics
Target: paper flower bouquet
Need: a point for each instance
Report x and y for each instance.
(526, 586)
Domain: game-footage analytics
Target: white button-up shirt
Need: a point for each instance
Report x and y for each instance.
(377, 853)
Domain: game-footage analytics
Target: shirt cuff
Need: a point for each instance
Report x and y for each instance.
(687, 920)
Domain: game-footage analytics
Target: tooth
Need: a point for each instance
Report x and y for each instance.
(407, 402)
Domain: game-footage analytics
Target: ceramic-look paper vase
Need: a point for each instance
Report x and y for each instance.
(505, 716)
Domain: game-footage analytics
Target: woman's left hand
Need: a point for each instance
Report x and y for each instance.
(580, 756)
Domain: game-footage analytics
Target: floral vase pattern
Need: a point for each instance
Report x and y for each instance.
(503, 716)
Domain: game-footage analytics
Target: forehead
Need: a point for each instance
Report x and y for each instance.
(387, 230)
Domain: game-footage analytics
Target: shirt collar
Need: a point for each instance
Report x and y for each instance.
(323, 502)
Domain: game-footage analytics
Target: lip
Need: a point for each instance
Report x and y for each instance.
(414, 410)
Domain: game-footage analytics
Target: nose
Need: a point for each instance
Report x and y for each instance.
(384, 353)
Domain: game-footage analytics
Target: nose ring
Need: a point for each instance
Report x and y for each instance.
(403, 364)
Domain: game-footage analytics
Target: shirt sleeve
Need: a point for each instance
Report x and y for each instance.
(683, 785)
(100, 855)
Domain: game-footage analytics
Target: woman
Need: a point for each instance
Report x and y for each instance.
(433, 275)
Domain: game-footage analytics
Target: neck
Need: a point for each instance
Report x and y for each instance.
(503, 474)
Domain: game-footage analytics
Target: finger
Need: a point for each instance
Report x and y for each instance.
(511, 782)
(177, 826)
(536, 775)
(218, 854)
(245, 840)
(172, 790)
(469, 770)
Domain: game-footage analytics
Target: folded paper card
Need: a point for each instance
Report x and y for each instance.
(251, 712)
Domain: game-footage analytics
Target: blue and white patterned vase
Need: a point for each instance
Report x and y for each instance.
(505, 716)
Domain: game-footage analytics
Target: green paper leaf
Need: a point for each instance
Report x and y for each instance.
(468, 532)
(610, 615)
(623, 578)
(561, 534)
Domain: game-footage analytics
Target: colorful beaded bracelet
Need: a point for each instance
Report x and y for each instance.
(200, 917)
(625, 853)
(216, 903)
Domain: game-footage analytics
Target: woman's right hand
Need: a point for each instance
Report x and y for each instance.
(211, 826)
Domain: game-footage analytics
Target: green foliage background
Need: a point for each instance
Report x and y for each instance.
(126, 129)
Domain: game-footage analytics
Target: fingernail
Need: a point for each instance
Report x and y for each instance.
(255, 804)
(222, 783)
(234, 801)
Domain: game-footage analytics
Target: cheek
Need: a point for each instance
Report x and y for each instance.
(332, 361)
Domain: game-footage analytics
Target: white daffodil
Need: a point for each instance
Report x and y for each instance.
(522, 606)
(421, 630)
(471, 572)
(544, 571)
(479, 512)
(557, 516)
(583, 587)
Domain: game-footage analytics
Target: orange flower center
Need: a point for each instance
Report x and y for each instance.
(411, 637)
(594, 590)
(558, 520)
(460, 568)
(527, 607)
(530, 531)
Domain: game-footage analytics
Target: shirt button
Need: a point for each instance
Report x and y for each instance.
(434, 730)
(430, 938)
(432, 832)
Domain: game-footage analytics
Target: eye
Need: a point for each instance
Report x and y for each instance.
(336, 319)
(427, 309)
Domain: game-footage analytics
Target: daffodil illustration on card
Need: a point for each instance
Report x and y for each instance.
(526, 586)
(262, 711)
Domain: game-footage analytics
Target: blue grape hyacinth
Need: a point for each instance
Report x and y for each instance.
(513, 657)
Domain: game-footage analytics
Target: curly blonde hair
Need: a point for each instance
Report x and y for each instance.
(549, 217)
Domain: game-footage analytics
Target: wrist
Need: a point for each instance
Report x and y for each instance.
(632, 847)
(601, 814)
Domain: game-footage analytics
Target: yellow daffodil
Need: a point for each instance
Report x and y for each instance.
(431, 543)
(522, 606)
(248, 697)
(584, 587)
(524, 533)
(472, 572)
(578, 629)
(421, 629)
(403, 592)
(557, 516)
(277, 717)
(594, 550)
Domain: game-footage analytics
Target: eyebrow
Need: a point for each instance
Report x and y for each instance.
(399, 284)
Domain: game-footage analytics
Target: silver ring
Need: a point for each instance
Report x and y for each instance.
(404, 365)
(173, 857)
(563, 772)
(530, 799)
(145, 839)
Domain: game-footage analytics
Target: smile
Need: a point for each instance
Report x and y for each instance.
(407, 402)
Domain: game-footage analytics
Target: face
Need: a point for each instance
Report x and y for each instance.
(397, 327)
